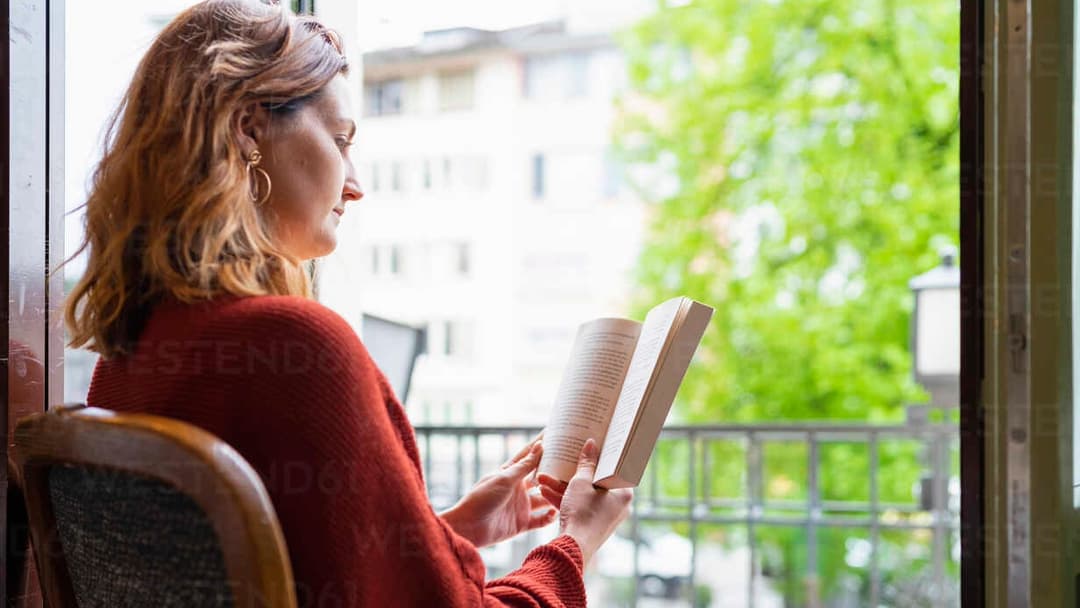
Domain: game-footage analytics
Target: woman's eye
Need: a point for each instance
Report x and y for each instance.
(344, 142)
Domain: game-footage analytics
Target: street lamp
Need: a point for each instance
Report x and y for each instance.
(935, 344)
(935, 331)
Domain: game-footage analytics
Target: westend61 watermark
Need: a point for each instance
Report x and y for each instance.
(239, 357)
(330, 477)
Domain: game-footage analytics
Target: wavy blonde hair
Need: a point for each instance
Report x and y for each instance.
(170, 211)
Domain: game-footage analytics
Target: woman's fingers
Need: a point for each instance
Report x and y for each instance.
(553, 497)
(537, 501)
(524, 451)
(541, 519)
(554, 484)
(522, 467)
(551, 489)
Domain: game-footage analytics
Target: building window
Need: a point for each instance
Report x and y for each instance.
(395, 260)
(447, 174)
(448, 338)
(456, 91)
(375, 260)
(557, 76)
(541, 76)
(538, 176)
(374, 177)
(613, 176)
(474, 173)
(383, 98)
(427, 174)
(577, 74)
(457, 339)
(427, 338)
(395, 176)
(463, 261)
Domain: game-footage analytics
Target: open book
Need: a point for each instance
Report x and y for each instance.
(618, 387)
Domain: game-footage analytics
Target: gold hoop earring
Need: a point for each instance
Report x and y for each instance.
(254, 172)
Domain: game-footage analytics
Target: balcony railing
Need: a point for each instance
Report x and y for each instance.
(688, 489)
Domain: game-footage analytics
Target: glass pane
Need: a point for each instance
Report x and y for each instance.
(97, 71)
(765, 168)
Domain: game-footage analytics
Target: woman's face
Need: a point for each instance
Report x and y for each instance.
(306, 157)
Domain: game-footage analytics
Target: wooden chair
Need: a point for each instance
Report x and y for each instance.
(139, 510)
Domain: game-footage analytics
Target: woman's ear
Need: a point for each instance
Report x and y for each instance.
(250, 126)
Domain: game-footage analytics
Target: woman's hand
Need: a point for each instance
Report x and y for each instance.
(502, 505)
(587, 513)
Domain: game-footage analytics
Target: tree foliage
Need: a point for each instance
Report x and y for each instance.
(802, 158)
(814, 150)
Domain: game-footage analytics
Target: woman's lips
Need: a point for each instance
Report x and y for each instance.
(339, 212)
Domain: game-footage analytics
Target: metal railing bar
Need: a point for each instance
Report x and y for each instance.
(706, 468)
(839, 505)
(700, 507)
(476, 457)
(791, 522)
(427, 460)
(811, 528)
(692, 490)
(635, 536)
(722, 431)
(875, 574)
(460, 466)
(654, 485)
(753, 483)
(940, 470)
(827, 506)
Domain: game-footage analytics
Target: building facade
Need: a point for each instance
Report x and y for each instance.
(496, 215)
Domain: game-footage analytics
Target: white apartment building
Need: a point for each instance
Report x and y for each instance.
(495, 214)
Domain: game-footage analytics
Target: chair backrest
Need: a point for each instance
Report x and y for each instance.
(140, 510)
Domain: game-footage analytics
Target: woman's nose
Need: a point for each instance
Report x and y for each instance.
(352, 190)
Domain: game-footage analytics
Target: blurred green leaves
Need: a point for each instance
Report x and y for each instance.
(808, 153)
(813, 150)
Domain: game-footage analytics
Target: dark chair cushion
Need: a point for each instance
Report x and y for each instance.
(135, 541)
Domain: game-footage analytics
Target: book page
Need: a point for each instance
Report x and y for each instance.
(626, 469)
(654, 335)
(588, 392)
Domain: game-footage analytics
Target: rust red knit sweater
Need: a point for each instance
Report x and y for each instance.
(287, 382)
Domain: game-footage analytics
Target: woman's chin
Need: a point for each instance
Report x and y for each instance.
(321, 248)
(327, 245)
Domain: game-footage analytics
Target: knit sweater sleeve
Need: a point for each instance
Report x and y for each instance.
(351, 502)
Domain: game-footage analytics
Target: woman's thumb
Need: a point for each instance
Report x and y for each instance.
(587, 459)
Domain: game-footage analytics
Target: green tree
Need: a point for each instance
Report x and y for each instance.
(803, 161)
(815, 146)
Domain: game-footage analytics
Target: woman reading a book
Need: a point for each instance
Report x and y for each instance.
(226, 169)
